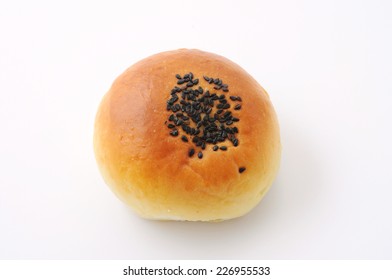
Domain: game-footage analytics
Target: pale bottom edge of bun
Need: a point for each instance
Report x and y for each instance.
(148, 211)
(172, 218)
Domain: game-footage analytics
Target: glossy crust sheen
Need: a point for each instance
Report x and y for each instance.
(151, 171)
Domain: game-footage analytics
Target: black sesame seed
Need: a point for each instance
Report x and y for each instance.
(178, 76)
(184, 138)
(237, 107)
(179, 122)
(174, 98)
(189, 84)
(219, 111)
(234, 98)
(226, 106)
(195, 81)
(190, 75)
(235, 119)
(216, 81)
(200, 155)
(229, 122)
(174, 132)
(206, 78)
(180, 81)
(223, 148)
(191, 152)
(224, 134)
(225, 89)
(171, 125)
(235, 142)
(241, 169)
(239, 98)
(217, 87)
(215, 148)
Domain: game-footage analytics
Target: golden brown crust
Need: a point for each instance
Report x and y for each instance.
(151, 170)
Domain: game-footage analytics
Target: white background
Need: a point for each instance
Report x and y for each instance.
(326, 65)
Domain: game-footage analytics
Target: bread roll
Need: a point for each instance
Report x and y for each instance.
(187, 135)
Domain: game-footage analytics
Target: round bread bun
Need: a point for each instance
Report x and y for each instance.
(153, 169)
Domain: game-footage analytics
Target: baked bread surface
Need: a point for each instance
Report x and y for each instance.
(151, 170)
